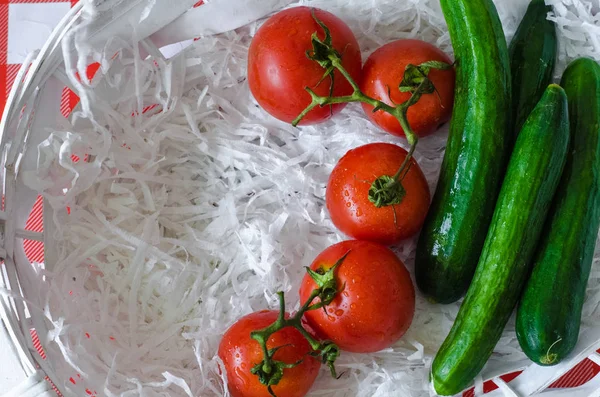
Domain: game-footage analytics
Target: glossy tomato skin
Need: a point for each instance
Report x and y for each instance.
(279, 71)
(240, 353)
(347, 195)
(385, 68)
(376, 305)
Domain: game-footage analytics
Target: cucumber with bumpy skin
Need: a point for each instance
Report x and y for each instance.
(531, 180)
(478, 149)
(549, 313)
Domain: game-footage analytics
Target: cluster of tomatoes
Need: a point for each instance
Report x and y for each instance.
(376, 300)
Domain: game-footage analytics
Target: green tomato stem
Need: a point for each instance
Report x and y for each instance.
(384, 191)
(399, 112)
(270, 371)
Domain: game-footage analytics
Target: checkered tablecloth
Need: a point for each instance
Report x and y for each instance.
(24, 27)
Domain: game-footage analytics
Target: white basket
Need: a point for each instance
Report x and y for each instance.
(34, 100)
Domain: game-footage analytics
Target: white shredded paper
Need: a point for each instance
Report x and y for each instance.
(187, 216)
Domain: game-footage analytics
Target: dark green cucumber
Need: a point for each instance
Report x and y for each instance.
(531, 180)
(478, 149)
(532, 59)
(549, 313)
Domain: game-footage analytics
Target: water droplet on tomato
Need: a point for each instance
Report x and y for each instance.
(346, 193)
(330, 310)
(359, 212)
(346, 294)
(353, 306)
(339, 312)
(242, 376)
(331, 318)
(348, 204)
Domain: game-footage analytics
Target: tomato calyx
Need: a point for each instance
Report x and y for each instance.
(416, 77)
(322, 51)
(386, 190)
(326, 283)
(269, 370)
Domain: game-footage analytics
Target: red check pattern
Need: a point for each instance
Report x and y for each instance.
(35, 250)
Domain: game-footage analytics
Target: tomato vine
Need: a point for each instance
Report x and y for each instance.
(269, 370)
(385, 190)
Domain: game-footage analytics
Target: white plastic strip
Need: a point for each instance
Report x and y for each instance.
(503, 386)
(20, 341)
(47, 60)
(22, 129)
(214, 17)
(9, 207)
(61, 75)
(148, 17)
(34, 386)
(50, 248)
(478, 389)
(52, 50)
(595, 358)
(47, 115)
(19, 332)
(595, 393)
(29, 235)
(152, 49)
(16, 336)
(10, 103)
(19, 304)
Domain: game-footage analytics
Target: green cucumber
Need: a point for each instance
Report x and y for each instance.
(532, 60)
(531, 180)
(478, 149)
(549, 313)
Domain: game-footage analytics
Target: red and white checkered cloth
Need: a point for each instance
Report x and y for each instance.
(24, 27)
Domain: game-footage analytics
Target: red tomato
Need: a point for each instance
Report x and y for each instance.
(240, 353)
(279, 71)
(385, 69)
(377, 301)
(348, 202)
